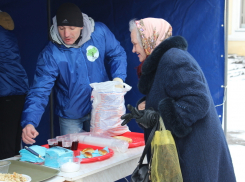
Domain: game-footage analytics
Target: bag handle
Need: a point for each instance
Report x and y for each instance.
(148, 143)
(162, 126)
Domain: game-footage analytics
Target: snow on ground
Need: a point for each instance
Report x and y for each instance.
(236, 119)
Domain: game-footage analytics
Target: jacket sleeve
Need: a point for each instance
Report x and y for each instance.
(13, 77)
(188, 95)
(115, 54)
(38, 96)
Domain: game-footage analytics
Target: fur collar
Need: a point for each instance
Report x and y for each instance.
(149, 66)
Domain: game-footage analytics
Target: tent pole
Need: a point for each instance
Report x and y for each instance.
(51, 94)
(226, 65)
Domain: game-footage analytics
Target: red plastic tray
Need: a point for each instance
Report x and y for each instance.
(138, 139)
(93, 159)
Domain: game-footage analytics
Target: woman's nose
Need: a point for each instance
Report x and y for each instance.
(133, 50)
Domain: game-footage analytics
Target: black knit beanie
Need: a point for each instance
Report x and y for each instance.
(69, 14)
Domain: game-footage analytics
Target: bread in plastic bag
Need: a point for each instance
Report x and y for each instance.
(108, 107)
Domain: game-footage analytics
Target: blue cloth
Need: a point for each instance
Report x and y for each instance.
(55, 155)
(71, 71)
(13, 78)
(68, 126)
(28, 156)
(170, 72)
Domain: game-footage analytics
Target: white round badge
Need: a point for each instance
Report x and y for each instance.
(92, 53)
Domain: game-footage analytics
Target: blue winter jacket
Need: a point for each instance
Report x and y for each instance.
(13, 78)
(70, 71)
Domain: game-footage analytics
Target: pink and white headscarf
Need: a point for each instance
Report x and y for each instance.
(152, 32)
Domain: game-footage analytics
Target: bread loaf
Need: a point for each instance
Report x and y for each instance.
(88, 155)
(129, 140)
(87, 150)
(102, 152)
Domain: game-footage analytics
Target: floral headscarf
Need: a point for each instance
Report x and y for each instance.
(152, 32)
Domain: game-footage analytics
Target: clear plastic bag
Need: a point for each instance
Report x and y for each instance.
(108, 107)
(103, 141)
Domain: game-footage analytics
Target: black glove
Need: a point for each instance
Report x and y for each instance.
(135, 114)
(147, 118)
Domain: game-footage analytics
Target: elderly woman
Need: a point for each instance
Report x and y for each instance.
(176, 88)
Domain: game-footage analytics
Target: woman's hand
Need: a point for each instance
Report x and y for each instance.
(141, 106)
(147, 118)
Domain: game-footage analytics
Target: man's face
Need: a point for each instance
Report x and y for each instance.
(137, 47)
(69, 34)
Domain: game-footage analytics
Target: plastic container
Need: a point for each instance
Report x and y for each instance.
(102, 141)
(69, 164)
(4, 166)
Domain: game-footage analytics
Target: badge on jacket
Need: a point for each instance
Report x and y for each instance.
(92, 53)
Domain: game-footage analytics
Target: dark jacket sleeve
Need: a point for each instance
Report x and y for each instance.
(188, 95)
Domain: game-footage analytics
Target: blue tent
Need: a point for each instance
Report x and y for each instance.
(200, 22)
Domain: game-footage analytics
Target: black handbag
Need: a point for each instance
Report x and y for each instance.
(142, 172)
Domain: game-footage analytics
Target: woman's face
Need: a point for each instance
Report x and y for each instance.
(137, 47)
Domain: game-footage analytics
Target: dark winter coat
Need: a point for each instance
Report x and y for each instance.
(175, 85)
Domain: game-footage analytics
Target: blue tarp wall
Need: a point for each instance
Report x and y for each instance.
(199, 21)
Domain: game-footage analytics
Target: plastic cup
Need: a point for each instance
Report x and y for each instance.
(4, 166)
(69, 164)
(67, 143)
(74, 139)
(52, 142)
(60, 139)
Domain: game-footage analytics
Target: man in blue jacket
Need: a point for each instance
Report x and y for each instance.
(13, 89)
(73, 60)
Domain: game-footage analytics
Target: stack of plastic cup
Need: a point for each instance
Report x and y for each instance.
(101, 141)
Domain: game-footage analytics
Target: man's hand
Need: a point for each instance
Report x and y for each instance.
(29, 133)
(118, 80)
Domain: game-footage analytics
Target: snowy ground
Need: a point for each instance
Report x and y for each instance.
(236, 118)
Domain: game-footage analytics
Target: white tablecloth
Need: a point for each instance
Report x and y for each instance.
(118, 166)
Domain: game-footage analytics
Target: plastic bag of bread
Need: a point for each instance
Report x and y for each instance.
(107, 108)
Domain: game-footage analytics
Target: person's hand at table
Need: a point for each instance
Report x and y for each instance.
(29, 133)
